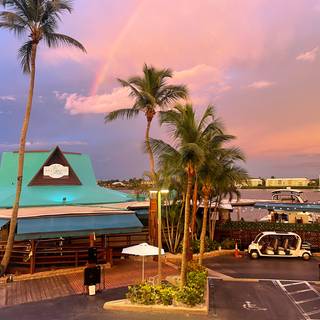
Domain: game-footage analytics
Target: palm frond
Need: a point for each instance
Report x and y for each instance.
(171, 94)
(24, 55)
(121, 113)
(160, 147)
(57, 39)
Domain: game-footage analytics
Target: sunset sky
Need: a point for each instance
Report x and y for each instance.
(257, 61)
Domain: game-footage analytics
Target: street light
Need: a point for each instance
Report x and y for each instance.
(159, 229)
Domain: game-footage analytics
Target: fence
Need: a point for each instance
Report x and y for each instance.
(245, 232)
(35, 255)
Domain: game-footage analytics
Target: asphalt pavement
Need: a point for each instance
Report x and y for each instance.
(266, 268)
(261, 300)
(83, 307)
(273, 299)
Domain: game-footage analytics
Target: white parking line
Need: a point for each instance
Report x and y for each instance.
(300, 303)
(308, 300)
(293, 284)
(299, 291)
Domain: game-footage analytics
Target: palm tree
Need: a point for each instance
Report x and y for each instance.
(38, 19)
(188, 152)
(151, 93)
(220, 174)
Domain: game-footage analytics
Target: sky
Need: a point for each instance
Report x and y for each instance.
(256, 61)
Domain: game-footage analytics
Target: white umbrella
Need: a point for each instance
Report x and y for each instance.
(142, 250)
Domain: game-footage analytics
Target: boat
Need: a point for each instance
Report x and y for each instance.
(284, 207)
(288, 195)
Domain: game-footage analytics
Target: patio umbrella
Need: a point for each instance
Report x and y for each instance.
(142, 250)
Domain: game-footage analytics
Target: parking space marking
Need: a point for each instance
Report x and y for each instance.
(308, 300)
(301, 304)
(293, 284)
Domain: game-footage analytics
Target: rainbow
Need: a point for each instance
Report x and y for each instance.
(101, 74)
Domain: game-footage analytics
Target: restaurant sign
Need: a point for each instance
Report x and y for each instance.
(55, 171)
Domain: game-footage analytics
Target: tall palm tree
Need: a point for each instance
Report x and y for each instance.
(189, 136)
(38, 20)
(218, 173)
(151, 93)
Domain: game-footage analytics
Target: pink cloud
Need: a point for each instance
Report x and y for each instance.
(203, 81)
(261, 84)
(308, 56)
(76, 103)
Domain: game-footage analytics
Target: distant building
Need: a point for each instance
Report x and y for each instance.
(287, 182)
(255, 182)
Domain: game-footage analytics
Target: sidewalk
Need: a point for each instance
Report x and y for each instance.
(123, 273)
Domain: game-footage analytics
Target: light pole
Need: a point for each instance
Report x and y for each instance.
(159, 231)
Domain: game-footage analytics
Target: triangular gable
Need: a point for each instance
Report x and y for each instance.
(55, 171)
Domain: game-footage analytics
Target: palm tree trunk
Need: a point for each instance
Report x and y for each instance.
(13, 222)
(149, 150)
(194, 207)
(204, 226)
(186, 232)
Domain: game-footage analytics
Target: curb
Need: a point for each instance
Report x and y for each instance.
(125, 305)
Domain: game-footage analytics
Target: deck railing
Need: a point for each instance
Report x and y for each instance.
(45, 254)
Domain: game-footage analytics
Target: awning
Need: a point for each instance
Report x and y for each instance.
(72, 226)
(3, 222)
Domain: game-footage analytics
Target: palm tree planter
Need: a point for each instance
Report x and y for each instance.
(39, 20)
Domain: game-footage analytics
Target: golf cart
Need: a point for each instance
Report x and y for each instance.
(280, 245)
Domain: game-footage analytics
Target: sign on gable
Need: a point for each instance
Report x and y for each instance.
(56, 171)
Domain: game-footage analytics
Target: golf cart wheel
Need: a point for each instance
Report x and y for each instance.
(306, 256)
(254, 255)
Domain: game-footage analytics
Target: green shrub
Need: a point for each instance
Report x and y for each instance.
(228, 244)
(149, 294)
(142, 293)
(193, 292)
(166, 294)
(190, 296)
(197, 279)
(212, 245)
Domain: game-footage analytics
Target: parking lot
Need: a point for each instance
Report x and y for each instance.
(266, 268)
(264, 289)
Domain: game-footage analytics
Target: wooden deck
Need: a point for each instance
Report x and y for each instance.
(124, 273)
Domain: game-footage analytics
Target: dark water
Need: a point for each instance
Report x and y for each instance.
(252, 214)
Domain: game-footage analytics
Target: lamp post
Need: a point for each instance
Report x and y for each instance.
(159, 230)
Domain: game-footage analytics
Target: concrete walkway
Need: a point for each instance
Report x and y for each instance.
(122, 274)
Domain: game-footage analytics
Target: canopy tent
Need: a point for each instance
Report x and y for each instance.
(142, 250)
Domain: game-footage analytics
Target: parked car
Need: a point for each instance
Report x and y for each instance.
(280, 245)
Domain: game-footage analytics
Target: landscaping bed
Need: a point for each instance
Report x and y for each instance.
(167, 296)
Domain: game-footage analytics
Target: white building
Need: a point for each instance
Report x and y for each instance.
(253, 182)
(287, 182)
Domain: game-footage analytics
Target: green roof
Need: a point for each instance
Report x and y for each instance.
(86, 193)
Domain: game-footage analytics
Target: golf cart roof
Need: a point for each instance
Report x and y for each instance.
(278, 233)
(287, 190)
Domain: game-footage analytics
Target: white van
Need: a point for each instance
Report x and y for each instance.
(280, 245)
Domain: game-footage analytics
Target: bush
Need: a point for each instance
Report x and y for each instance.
(149, 294)
(228, 244)
(191, 294)
(210, 245)
(167, 294)
(143, 294)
